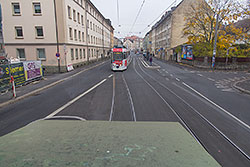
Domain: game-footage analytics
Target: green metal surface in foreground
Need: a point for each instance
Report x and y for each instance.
(89, 144)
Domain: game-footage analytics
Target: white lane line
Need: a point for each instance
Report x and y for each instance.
(110, 76)
(198, 114)
(200, 75)
(75, 99)
(167, 104)
(171, 75)
(166, 72)
(225, 111)
(130, 99)
(113, 101)
(211, 79)
(177, 79)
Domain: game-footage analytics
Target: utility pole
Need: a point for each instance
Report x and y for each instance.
(87, 33)
(57, 39)
(215, 40)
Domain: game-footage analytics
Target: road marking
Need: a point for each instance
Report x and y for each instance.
(113, 100)
(225, 111)
(171, 108)
(211, 79)
(171, 75)
(166, 72)
(47, 87)
(110, 76)
(227, 90)
(177, 79)
(130, 99)
(228, 139)
(75, 99)
(145, 64)
(200, 75)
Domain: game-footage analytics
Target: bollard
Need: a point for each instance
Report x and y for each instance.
(13, 86)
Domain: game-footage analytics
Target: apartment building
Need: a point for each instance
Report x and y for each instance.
(167, 33)
(40, 29)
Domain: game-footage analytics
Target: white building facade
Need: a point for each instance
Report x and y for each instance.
(39, 29)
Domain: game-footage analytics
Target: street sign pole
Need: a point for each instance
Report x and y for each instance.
(58, 59)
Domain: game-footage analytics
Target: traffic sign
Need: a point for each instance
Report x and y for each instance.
(57, 54)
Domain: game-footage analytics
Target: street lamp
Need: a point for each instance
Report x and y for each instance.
(215, 40)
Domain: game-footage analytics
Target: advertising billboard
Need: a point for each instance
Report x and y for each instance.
(16, 70)
(32, 69)
(187, 52)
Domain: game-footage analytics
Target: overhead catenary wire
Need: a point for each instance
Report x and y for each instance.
(137, 16)
(118, 13)
(174, 3)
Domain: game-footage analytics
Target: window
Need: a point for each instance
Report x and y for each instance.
(69, 12)
(75, 35)
(19, 32)
(72, 54)
(41, 54)
(91, 25)
(82, 19)
(84, 55)
(16, 9)
(74, 15)
(80, 53)
(92, 53)
(21, 54)
(39, 31)
(87, 23)
(76, 54)
(82, 36)
(78, 17)
(70, 34)
(37, 8)
(79, 35)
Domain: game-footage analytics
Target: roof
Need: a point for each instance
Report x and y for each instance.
(245, 24)
(94, 143)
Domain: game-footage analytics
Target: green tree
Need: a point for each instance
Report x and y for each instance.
(201, 21)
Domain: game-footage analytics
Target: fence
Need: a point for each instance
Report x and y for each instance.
(22, 73)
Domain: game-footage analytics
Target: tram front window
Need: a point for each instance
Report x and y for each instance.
(118, 56)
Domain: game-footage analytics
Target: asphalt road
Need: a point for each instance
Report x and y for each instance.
(204, 102)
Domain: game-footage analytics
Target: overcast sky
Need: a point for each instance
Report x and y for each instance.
(128, 11)
(151, 10)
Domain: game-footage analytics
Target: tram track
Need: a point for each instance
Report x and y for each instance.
(129, 98)
(217, 130)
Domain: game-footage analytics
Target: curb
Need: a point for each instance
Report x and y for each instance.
(46, 87)
(241, 89)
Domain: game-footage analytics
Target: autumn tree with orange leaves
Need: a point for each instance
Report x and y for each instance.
(201, 22)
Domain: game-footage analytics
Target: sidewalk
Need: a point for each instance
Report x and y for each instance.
(37, 86)
(243, 86)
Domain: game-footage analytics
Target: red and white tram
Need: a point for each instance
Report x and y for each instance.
(119, 60)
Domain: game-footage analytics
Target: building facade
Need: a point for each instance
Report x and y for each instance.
(42, 29)
(129, 44)
(167, 33)
(137, 42)
(118, 42)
